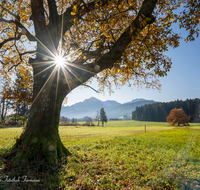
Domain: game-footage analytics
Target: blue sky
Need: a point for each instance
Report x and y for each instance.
(182, 82)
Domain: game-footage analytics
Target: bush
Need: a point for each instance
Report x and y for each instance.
(92, 124)
(19, 122)
(12, 122)
(64, 123)
(68, 124)
(6, 123)
(16, 119)
(76, 124)
(88, 124)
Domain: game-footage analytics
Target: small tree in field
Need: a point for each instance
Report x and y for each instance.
(177, 116)
(103, 117)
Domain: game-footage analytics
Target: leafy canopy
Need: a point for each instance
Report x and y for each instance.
(122, 40)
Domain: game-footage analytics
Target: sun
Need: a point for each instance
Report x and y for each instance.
(59, 60)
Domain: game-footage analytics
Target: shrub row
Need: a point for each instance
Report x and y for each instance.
(76, 124)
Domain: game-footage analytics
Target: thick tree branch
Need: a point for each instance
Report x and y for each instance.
(53, 14)
(52, 10)
(107, 60)
(38, 18)
(143, 18)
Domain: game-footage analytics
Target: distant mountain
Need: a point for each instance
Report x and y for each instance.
(128, 108)
(113, 109)
(138, 100)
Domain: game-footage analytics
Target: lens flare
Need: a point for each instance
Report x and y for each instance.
(51, 148)
(34, 140)
(105, 102)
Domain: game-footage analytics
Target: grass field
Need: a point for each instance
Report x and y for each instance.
(119, 155)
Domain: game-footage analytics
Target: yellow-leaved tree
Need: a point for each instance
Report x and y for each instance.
(64, 43)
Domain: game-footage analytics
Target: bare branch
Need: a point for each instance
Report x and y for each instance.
(18, 52)
(7, 21)
(28, 34)
(28, 52)
(14, 66)
(90, 87)
(8, 40)
(12, 14)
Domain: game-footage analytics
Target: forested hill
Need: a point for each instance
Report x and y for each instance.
(159, 111)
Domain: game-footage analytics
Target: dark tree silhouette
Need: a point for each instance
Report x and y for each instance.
(103, 117)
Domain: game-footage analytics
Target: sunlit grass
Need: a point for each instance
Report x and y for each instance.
(8, 136)
(161, 160)
(122, 156)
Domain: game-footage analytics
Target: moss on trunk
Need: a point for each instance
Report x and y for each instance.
(38, 148)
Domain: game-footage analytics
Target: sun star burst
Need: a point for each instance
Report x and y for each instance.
(59, 60)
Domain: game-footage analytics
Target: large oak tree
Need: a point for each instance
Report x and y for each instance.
(115, 41)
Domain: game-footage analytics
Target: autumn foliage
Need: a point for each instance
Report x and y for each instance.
(177, 116)
(117, 42)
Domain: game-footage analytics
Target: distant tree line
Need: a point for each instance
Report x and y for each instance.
(75, 120)
(100, 117)
(159, 111)
(64, 121)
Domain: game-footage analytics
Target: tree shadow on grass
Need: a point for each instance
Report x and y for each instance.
(36, 175)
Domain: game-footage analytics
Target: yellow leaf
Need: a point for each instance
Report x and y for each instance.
(73, 13)
(75, 20)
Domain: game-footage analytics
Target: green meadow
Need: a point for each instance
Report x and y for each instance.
(119, 155)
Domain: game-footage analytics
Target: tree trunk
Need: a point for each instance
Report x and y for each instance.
(40, 139)
(2, 111)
